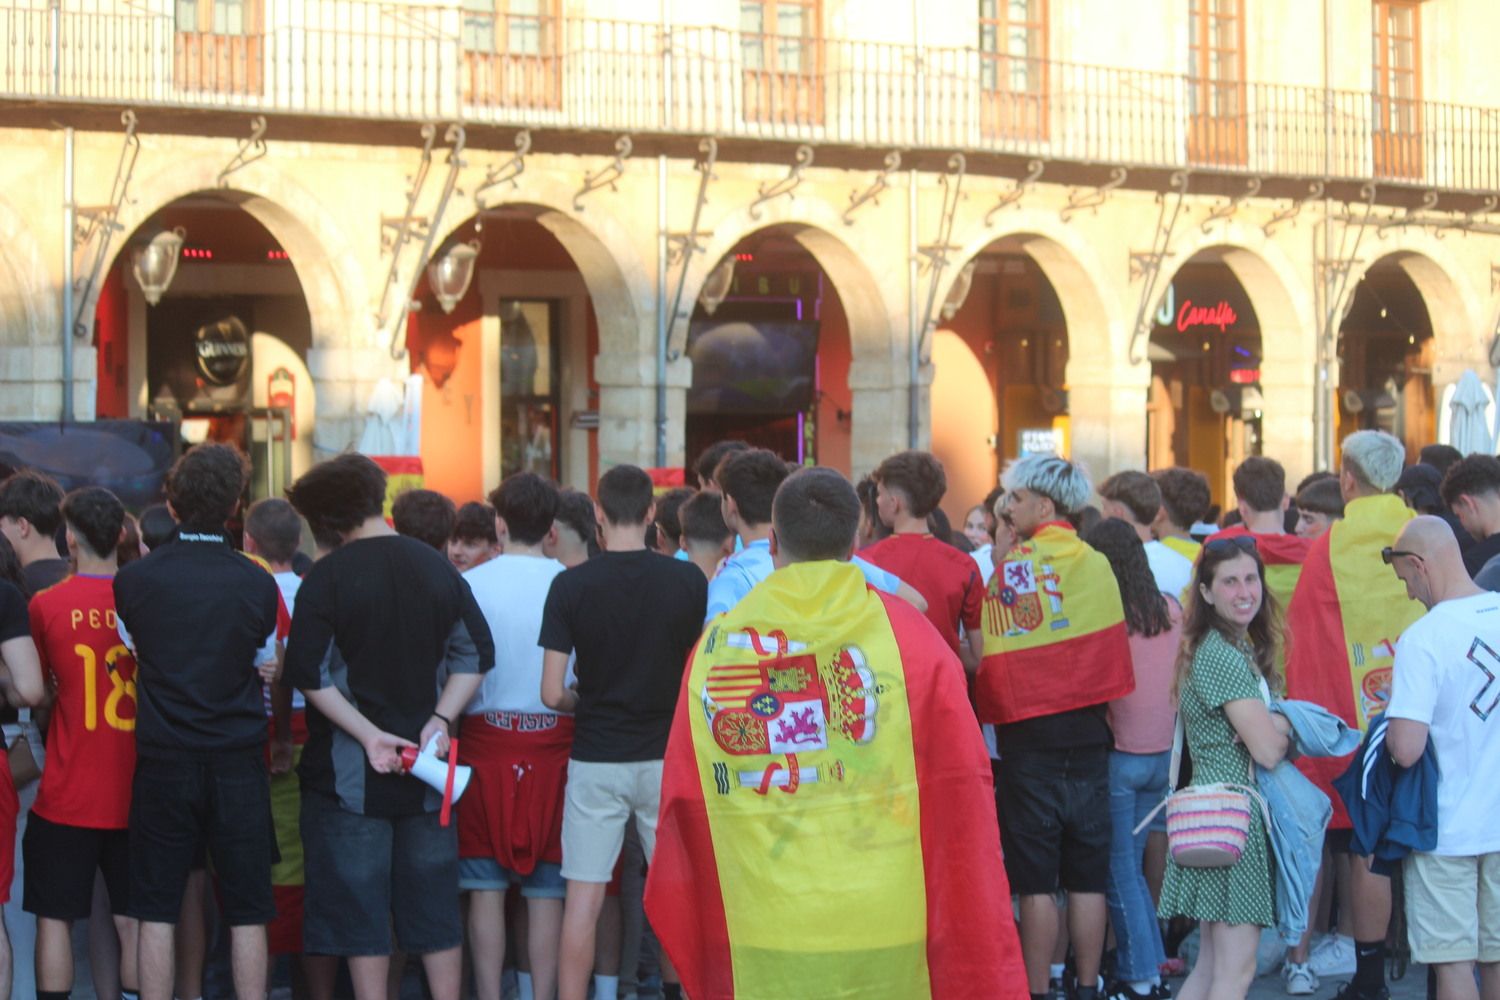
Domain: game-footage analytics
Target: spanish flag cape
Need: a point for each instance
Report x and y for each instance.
(1054, 631)
(1283, 556)
(1342, 625)
(827, 824)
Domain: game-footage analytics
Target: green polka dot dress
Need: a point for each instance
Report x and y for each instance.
(1242, 893)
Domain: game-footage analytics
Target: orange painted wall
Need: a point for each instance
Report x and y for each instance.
(964, 416)
(451, 415)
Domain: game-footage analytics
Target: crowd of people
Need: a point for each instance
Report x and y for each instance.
(778, 735)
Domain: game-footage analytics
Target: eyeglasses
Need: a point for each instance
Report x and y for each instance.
(1218, 546)
(1388, 555)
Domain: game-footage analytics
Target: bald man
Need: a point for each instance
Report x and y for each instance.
(1446, 685)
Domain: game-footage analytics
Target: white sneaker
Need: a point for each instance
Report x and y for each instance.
(1333, 956)
(1300, 980)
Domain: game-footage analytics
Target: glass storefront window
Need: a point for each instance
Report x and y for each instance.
(528, 387)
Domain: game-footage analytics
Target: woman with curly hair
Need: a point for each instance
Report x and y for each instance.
(1225, 672)
(1142, 724)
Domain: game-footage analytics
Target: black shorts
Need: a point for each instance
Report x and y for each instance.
(60, 862)
(221, 801)
(369, 875)
(1054, 820)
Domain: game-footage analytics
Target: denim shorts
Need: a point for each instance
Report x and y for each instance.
(179, 805)
(488, 875)
(368, 874)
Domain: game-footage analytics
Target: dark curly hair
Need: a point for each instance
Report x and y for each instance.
(1146, 611)
(338, 496)
(206, 484)
(97, 518)
(425, 515)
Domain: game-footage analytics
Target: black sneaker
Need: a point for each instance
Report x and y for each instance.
(1349, 991)
(1120, 991)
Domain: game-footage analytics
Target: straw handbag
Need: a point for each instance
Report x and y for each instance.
(1207, 825)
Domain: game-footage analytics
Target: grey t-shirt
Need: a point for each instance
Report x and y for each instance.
(1489, 576)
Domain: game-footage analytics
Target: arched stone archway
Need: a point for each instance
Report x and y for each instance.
(30, 351)
(623, 293)
(1103, 401)
(878, 368)
(345, 359)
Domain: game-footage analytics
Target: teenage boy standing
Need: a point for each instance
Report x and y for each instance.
(79, 824)
(201, 620)
(388, 647)
(630, 615)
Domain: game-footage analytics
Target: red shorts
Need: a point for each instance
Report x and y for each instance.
(10, 809)
(512, 810)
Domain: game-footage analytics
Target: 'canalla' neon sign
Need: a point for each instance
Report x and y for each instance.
(1189, 316)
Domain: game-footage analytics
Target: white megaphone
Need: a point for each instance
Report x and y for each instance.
(427, 767)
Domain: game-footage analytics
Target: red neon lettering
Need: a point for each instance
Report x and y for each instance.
(1222, 316)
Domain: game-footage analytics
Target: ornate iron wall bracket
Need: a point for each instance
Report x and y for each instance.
(1230, 207)
(1315, 192)
(1147, 265)
(874, 191)
(251, 149)
(787, 185)
(607, 176)
(684, 245)
(1410, 216)
(508, 172)
(937, 253)
(1080, 200)
(412, 226)
(1014, 195)
(96, 225)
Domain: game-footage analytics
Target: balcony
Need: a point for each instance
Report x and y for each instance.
(365, 59)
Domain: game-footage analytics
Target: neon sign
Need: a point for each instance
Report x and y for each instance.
(1190, 316)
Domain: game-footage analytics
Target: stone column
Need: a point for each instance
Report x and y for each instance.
(627, 409)
(1288, 383)
(1107, 414)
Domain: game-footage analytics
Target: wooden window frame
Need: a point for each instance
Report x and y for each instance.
(502, 78)
(1215, 139)
(785, 97)
(1005, 111)
(205, 60)
(1397, 151)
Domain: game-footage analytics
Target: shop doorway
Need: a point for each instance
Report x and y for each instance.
(1000, 388)
(1204, 405)
(1385, 351)
(769, 342)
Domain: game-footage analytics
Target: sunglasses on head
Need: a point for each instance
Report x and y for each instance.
(1218, 546)
(1388, 555)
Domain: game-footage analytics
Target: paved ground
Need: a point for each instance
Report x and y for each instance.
(1413, 986)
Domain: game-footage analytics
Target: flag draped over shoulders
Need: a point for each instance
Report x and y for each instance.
(827, 824)
(1054, 631)
(1345, 616)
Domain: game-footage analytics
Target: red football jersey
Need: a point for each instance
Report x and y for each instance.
(91, 738)
(947, 578)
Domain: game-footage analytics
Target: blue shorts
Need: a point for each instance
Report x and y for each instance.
(488, 875)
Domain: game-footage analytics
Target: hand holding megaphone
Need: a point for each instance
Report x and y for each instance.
(426, 766)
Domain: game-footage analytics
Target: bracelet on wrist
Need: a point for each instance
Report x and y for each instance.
(446, 721)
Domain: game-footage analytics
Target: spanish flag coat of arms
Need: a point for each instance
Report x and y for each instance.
(1054, 631)
(827, 824)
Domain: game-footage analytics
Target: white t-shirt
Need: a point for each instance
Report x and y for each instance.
(983, 558)
(1447, 675)
(511, 591)
(1173, 570)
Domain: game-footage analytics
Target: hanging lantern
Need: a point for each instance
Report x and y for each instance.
(717, 285)
(959, 293)
(449, 275)
(155, 264)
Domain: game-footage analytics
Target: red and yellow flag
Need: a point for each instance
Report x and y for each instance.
(1054, 631)
(1342, 625)
(827, 824)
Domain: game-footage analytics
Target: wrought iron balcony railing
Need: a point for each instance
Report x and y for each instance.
(393, 61)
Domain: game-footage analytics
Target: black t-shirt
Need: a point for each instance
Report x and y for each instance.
(385, 620)
(43, 573)
(199, 614)
(13, 620)
(1481, 552)
(1079, 729)
(631, 618)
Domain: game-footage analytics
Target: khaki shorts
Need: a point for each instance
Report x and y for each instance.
(1453, 908)
(599, 802)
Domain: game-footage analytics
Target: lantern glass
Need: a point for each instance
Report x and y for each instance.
(155, 264)
(449, 275)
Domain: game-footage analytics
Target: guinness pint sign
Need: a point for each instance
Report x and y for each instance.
(222, 350)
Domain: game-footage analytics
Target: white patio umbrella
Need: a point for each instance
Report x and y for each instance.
(1468, 428)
